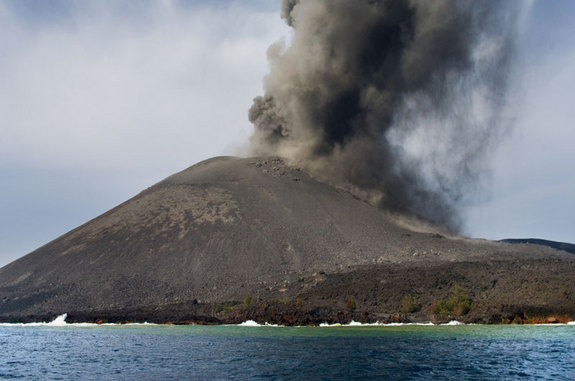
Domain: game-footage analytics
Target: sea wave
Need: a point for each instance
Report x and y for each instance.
(351, 324)
(60, 321)
(252, 323)
(454, 322)
(249, 323)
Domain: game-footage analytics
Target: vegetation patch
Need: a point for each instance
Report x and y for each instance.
(408, 304)
(224, 308)
(458, 304)
(247, 300)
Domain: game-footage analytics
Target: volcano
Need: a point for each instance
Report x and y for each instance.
(231, 239)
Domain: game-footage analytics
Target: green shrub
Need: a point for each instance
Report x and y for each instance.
(224, 308)
(458, 304)
(440, 307)
(408, 304)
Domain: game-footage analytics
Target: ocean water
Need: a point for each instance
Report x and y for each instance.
(62, 351)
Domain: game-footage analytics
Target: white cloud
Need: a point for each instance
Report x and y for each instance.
(109, 91)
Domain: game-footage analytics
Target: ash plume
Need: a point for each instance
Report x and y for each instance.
(399, 101)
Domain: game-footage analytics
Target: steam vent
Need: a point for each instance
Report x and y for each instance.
(232, 239)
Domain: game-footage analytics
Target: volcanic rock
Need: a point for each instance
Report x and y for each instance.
(230, 239)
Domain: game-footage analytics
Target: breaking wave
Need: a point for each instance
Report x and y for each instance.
(377, 324)
(60, 321)
(252, 323)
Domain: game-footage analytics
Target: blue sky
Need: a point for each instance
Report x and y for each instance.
(101, 99)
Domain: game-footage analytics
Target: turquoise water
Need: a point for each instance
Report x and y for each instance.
(148, 352)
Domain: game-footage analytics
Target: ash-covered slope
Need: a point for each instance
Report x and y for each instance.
(227, 228)
(568, 247)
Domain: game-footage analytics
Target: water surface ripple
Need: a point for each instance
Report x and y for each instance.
(279, 353)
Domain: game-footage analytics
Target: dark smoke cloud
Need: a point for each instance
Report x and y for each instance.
(397, 100)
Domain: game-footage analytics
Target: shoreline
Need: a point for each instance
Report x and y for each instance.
(60, 321)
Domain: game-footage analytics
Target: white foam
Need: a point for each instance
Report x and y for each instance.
(329, 325)
(377, 324)
(249, 323)
(454, 322)
(394, 324)
(59, 321)
(354, 323)
(550, 324)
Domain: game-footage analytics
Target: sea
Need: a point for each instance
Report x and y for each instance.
(61, 351)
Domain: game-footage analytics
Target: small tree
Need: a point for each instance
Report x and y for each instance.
(408, 304)
(460, 303)
(440, 307)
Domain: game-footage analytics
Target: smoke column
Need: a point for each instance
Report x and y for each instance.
(399, 101)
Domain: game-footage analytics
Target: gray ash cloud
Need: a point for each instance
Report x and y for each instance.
(399, 101)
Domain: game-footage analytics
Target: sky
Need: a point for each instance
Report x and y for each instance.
(101, 99)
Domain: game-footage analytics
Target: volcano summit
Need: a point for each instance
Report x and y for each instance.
(230, 239)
